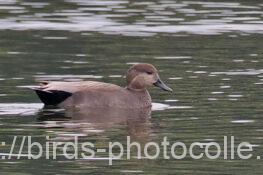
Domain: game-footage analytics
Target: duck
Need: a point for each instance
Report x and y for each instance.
(94, 94)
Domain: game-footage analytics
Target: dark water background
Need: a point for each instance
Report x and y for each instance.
(210, 53)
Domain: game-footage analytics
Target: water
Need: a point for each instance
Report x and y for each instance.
(210, 53)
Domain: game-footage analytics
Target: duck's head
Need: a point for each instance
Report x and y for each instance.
(143, 75)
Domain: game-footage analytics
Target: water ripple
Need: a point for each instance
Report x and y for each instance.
(136, 18)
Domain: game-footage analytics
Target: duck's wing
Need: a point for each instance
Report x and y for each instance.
(73, 87)
(53, 93)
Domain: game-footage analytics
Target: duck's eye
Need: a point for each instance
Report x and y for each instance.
(149, 73)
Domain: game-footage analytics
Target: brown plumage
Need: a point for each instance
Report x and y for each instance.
(99, 94)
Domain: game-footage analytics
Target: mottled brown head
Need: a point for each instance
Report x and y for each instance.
(143, 75)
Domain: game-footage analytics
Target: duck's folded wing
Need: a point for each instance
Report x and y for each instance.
(53, 93)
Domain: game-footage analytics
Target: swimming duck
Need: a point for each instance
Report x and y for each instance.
(98, 94)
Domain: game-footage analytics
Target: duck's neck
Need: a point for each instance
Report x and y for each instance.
(136, 89)
(137, 84)
(143, 96)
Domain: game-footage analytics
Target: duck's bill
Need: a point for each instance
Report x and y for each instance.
(161, 85)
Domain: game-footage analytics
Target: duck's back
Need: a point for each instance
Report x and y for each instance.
(73, 87)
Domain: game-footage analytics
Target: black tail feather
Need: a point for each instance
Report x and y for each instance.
(52, 97)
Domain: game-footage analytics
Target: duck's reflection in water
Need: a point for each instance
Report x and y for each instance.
(99, 121)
